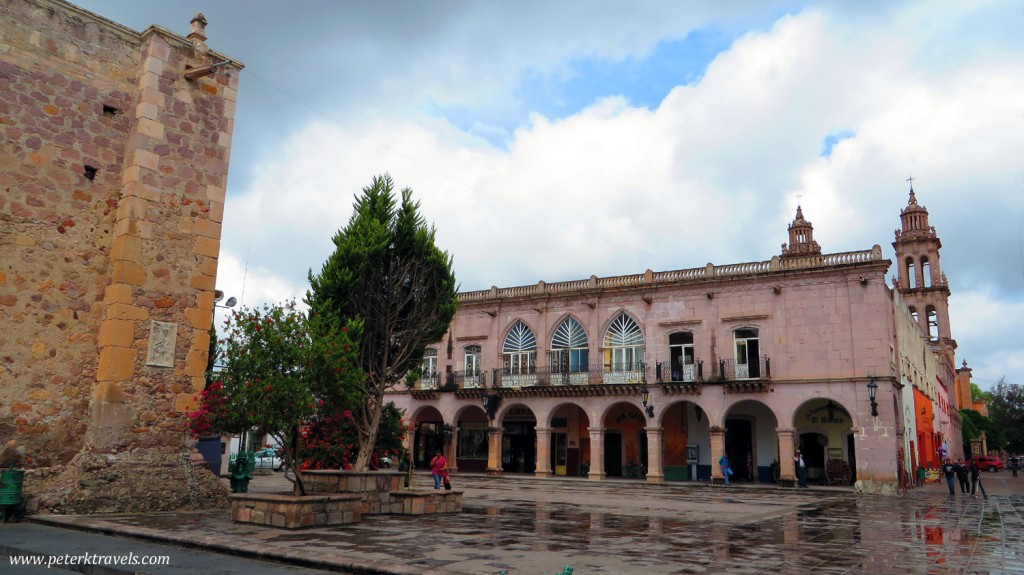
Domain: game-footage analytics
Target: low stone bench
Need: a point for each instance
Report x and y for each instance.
(296, 511)
(382, 492)
(425, 502)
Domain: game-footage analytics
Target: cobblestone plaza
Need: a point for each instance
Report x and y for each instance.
(526, 526)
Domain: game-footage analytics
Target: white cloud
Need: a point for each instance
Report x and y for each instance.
(712, 174)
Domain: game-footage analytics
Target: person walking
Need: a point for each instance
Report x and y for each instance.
(976, 480)
(1014, 465)
(801, 469)
(961, 474)
(949, 470)
(723, 461)
(437, 465)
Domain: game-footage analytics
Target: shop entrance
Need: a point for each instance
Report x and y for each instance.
(739, 446)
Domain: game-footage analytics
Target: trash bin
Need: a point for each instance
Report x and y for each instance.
(11, 482)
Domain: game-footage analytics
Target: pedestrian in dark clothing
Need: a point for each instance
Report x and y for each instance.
(976, 480)
(961, 474)
(1015, 465)
(949, 470)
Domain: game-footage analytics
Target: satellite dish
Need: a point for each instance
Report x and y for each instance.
(218, 295)
(231, 302)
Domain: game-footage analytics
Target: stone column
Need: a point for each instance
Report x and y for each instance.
(543, 452)
(596, 453)
(452, 450)
(787, 469)
(494, 451)
(717, 450)
(655, 471)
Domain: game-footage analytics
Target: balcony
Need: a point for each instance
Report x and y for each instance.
(615, 374)
(465, 380)
(690, 373)
(428, 381)
(738, 377)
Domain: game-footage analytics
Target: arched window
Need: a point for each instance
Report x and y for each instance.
(747, 353)
(623, 345)
(680, 351)
(569, 347)
(472, 359)
(913, 314)
(520, 350)
(429, 362)
(911, 275)
(933, 323)
(428, 373)
(926, 273)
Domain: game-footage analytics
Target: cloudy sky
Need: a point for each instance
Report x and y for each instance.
(555, 140)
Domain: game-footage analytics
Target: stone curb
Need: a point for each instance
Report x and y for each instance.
(94, 525)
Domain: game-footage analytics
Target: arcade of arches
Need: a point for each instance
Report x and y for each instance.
(613, 437)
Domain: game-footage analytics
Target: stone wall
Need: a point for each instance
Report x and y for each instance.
(113, 170)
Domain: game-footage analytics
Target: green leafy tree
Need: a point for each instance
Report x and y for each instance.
(278, 377)
(980, 395)
(974, 423)
(1006, 410)
(386, 272)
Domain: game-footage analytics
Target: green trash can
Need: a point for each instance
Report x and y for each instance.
(11, 482)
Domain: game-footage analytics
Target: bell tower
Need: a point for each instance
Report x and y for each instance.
(919, 277)
(801, 238)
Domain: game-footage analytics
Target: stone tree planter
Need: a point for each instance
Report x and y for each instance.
(338, 497)
(296, 511)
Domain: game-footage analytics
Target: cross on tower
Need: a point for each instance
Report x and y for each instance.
(911, 180)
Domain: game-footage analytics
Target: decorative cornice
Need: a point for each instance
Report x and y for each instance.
(746, 317)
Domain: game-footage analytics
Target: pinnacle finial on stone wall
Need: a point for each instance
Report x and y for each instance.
(198, 35)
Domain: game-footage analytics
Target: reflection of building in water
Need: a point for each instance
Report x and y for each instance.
(655, 375)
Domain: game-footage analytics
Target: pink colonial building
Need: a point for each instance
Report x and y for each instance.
(657, 375)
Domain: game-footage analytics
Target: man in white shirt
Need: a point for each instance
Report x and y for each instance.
(801, 469)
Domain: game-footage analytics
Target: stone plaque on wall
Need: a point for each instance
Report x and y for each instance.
(162, 338)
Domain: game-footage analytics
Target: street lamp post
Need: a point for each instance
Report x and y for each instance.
(872, 390)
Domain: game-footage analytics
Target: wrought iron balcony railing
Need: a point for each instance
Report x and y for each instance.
(690, 373)
(428, 381)
(583, 375)
(474, 379)
(755, 368)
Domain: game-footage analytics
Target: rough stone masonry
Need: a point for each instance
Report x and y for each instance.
(113, 169)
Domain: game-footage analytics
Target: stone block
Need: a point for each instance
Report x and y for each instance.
(186, 402)
(127, 311)
(128, 273)
(207, 247)
(195, 362)
(198, 318)
(127, 248)
(147, 160)
(203, 282)
(132, 207)
(116, 364)
(118, 294)
(150, 128)
(216, 193)
(207, 228)
(117, 333)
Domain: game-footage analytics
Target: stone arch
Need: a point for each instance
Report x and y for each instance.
(686, 440)
(569, 439)
(625, 437)
(471, 448)
(751, 439)
(823, 429)
(428, 434)
(518, 422)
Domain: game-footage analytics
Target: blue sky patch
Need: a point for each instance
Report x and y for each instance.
(832, 139)
(643, 82)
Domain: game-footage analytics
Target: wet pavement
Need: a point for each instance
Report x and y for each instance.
(526, 526)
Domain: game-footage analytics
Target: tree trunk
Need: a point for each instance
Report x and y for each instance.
(367, 442)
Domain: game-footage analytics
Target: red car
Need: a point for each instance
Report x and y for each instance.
(989, 462)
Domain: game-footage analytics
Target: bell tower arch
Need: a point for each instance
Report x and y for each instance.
(920, 279)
